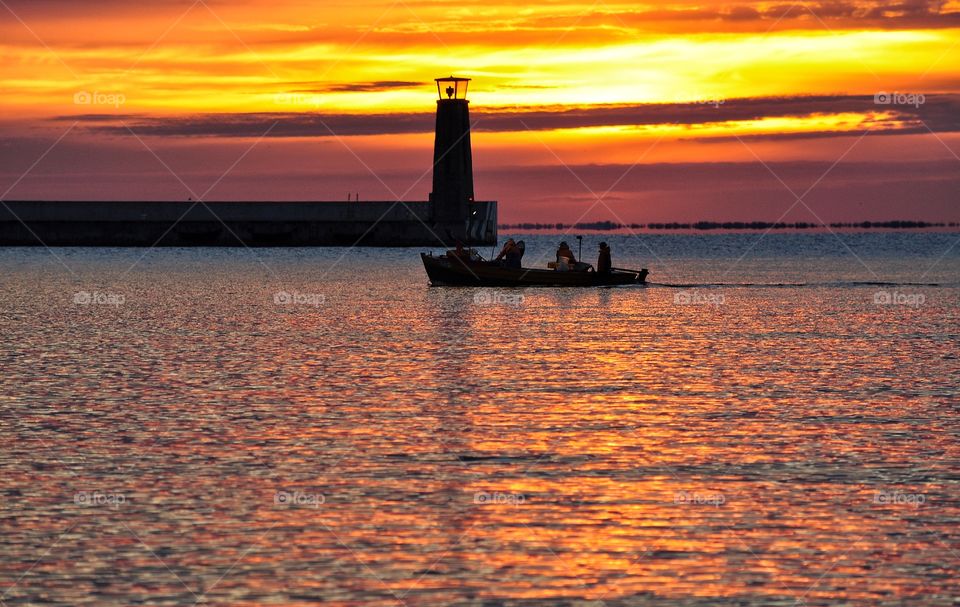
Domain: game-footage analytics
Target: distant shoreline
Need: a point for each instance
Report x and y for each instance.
(610, 226)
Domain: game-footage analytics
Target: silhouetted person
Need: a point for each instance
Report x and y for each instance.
(604, 264)
(514, 256)
(507, 247)
(564, 251)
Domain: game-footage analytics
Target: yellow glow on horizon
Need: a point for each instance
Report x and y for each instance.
(651, 68)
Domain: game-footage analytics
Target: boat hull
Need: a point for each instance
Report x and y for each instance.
(447, 270)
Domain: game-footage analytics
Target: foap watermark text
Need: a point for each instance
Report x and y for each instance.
(96, 298)
(296, 298)
(99, 98)
(498, 298)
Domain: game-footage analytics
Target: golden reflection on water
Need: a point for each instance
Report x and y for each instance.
(608, 447)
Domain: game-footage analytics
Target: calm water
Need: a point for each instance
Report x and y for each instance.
(779, 429)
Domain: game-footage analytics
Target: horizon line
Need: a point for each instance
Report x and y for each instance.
(610, 226)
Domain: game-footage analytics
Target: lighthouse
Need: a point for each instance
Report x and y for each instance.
(452, 156)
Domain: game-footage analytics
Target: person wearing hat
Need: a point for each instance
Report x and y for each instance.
(564, 251)
(604, 264)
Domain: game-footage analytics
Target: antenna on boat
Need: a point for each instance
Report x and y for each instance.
(580, 252)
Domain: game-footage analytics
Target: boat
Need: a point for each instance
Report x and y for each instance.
(470, 270)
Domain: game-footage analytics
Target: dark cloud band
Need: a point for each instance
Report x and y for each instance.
(938, 112)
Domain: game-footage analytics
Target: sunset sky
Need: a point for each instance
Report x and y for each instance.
(687, 110)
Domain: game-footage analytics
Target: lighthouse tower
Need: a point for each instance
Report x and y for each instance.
(452, 156)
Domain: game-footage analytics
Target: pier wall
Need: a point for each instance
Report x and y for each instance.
(237, 224)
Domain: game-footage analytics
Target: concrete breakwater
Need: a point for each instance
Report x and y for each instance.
(136, 224)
